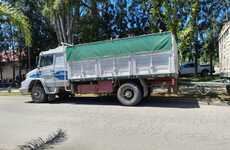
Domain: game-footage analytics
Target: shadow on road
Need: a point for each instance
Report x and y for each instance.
(168, 102)
(171, 102)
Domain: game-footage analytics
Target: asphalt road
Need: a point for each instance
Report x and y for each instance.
(102, 124)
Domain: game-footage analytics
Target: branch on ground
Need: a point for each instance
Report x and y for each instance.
(41, 144)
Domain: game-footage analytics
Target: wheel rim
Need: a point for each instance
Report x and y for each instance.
(128, 93)
(37, 94)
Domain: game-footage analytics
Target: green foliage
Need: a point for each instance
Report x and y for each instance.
(195, 23)
(188, 35)
(63, 15)
(18, 19)
(170, 15)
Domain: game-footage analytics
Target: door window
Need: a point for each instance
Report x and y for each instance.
(59, 61)
(189, 65)
(46, 60)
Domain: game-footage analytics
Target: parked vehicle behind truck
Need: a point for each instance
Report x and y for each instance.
(127, 68)
(189, 69)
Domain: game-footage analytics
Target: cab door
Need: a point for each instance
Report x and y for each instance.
(59, 70)
(46, 69)
(187, 69)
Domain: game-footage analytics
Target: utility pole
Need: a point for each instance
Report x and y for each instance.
(196, 54)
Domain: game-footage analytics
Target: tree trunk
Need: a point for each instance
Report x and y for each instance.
(58, 29)
(195, 12)
(68, 27)
(213, 44)
(196, 61)
(13, 67)
(20, 65)
(211, 63)
(1, 75)
(71, 30)
(29, 60)
(62, 28)
(57, 33)
(211, 49)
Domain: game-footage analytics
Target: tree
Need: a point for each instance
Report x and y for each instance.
(138, 17)
(194, 31)
(173, 15)
(96, 20)
(63, 15)
(169, 15)
(18, 19)
(42, 33)
(214, 14)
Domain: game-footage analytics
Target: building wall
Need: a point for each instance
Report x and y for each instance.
(224, 50)
(7, 71)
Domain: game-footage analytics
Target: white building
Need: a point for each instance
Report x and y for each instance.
(9, 64)
(224, 50)
(8, 69)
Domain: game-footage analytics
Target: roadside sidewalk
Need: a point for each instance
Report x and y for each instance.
(9, 91)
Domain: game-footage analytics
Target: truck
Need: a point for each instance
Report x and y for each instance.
(189, 69)
(127, 67)
(224, 53)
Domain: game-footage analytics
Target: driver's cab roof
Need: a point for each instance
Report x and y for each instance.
(59, 49)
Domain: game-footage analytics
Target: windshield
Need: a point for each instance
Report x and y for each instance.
(46, 60)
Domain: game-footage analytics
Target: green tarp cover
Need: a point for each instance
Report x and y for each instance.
(157, 42)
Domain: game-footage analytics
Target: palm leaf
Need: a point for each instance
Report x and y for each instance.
(19, 20)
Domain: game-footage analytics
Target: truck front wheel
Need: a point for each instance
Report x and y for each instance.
(129, 94)
(38, 94)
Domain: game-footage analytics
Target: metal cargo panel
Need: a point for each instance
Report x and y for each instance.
(107, 67)
(150, 63)
(138, 65)
(76, 71)
(84, 69)
(123, 66)
(143, 64)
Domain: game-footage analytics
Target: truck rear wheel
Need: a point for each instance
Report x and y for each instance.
(204, 73)
(129, 94)
(38, 94)
(228, 89)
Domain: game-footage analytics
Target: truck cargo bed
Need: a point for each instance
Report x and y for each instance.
(157, 59)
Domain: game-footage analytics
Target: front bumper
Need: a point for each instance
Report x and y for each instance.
(24, 89)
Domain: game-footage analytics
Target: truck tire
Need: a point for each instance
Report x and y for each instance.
(38, 94)
(228, 89)
(204, 73)
(129, 94)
